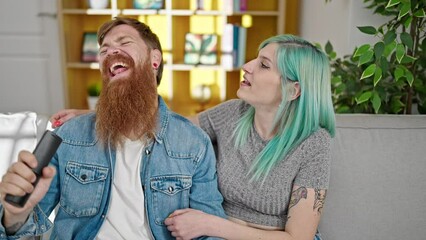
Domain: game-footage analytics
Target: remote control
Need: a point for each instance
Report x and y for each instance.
(43, 152)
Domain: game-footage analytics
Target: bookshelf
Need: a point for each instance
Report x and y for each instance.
(171, 23)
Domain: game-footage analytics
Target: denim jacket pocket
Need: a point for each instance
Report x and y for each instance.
(84, 185)
(169, 193)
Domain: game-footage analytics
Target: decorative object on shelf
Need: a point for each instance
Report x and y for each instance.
(234, 6)
(200, 49)
(89, 47)
(148, 4)
(200, 4)
(98, 4)
(202, 94)
(93, 92)
(233, 46)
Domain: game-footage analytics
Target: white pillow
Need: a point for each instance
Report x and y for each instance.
(18, 132)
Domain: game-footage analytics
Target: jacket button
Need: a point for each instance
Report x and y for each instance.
(83, 177)
(170, 189)
(147, 152)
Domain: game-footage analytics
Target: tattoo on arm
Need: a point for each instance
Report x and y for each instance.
(319, 200)
(14, 228)
(296, 195)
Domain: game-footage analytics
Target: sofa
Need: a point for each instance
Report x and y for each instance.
(378, 179)
(19, 131)
(378, 174)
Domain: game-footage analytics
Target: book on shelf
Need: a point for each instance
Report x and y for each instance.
(233, 46)
(234, 6)
(242, 39)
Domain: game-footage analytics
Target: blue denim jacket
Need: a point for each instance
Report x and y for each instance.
(178, 171)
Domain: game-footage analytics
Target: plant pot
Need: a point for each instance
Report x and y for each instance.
(98, 4)
(92, 101)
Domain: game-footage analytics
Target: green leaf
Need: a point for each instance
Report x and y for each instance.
(328, 47)
(368, 30)
(407, 22)
(384, 64)
(318, 45)
(343, 109)
(379, 47)
(377, 76)
(366, 57)
(398, 73)
(410, 78)
(392, 3)
(389, 48)
(406, 40)
(420, 13)
(369, 71)
(361, 50)
(376, 101)
(340, 88)
(336, 80)
(408, 59)
(396, 105)
(400, 52)
(364, 97)
(389, 37)
(405, 9)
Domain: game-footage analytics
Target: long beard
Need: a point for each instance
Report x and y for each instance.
(127, 107)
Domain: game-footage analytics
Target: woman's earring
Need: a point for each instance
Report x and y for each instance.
(155, 66)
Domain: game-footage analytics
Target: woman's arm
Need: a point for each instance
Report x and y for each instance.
(303, 218)
(189, 223)
(64, 115)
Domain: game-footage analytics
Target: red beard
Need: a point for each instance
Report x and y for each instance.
(127, 107)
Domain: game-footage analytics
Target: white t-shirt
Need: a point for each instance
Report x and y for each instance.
(126, 218)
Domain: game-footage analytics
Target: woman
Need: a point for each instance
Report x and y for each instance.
(273, 148)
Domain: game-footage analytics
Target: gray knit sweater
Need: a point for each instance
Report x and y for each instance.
(307, 165)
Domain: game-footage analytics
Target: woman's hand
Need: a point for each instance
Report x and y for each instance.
(188, 223)
(64, 115)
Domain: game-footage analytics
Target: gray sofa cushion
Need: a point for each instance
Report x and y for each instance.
(378, 179)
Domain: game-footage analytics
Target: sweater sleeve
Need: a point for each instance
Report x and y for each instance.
(315, 167)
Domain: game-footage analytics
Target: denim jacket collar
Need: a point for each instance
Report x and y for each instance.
(162, 120)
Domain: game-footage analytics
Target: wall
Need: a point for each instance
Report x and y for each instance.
(30, 63)
(336, 21)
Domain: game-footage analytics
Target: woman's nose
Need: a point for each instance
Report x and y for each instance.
(247, 67)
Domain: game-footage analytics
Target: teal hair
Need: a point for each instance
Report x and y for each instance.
(297, 61)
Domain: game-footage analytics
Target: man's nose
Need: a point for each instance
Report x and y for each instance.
(113, 51)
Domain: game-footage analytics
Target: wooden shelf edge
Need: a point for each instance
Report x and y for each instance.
(81, 65)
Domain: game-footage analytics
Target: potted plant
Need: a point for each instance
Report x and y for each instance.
(386, 82)
(388, 76)
(93, 92)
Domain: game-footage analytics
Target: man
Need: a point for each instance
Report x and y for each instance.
(121, 171)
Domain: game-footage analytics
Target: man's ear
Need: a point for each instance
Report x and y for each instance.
(155, 58)
(295, 91)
